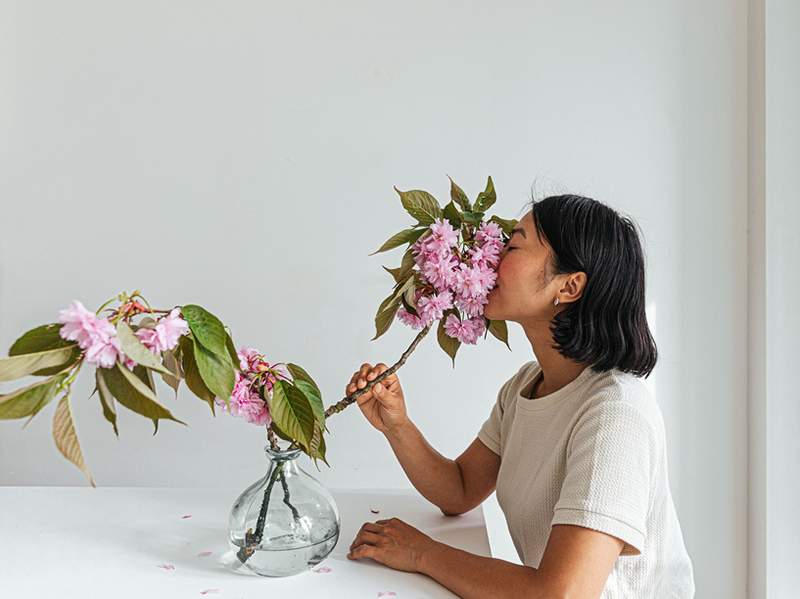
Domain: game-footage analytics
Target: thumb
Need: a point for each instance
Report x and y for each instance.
(378, 391)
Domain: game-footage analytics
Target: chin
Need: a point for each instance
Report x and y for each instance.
(491, 312)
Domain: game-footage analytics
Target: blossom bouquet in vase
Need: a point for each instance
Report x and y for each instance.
(284, 523)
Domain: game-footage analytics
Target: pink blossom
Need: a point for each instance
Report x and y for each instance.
(406, 317)
(249, 358)
(486, 254)
(489, 231)
(246, 402)
(474, 281)
(432, 307)
(444, 231)
(97, 336)
(164, 336)
(472, 306)
(466, 331)
(440, 270)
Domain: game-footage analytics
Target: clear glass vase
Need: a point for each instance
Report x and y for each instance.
(284, 523)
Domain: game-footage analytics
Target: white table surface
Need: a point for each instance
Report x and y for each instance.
(120, 542)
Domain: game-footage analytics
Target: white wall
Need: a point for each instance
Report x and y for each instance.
(242, 155)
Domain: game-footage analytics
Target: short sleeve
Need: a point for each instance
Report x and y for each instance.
(607, 486)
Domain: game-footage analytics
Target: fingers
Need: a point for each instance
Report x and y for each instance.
(369, 551)
(368, 533)
(366, 374)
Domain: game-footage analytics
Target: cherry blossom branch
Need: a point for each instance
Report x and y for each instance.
(342, 404)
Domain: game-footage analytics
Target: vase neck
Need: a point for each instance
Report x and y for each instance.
(283, 455)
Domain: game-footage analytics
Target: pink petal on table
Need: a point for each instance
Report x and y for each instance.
(204, 553)
(323, 570)
(209, 591)
(166, 566)
(387, 594)
(375, 511)
(186, 516)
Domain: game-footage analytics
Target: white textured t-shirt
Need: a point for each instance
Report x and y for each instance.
(590, 454)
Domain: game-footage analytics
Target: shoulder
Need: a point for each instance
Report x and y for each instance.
(616, 399)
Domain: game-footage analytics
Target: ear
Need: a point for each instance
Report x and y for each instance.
(573, 287)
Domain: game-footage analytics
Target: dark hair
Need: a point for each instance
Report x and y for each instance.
(607, 326)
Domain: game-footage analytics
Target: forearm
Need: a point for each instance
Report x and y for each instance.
(469, 575)
(436, 477)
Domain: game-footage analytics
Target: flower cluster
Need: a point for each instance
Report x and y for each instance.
(458, 275)
(253, 384)
(98, 337)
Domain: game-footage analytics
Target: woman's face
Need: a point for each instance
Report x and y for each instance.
(524, 290)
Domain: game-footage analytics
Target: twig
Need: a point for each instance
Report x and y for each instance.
(253, 539)
(342, 404)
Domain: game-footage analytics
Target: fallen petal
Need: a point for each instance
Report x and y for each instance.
(375, 511)
(166, 566)
(204, 553)
(209, 591)
(387, 594)
(186, 516)
(323, 570)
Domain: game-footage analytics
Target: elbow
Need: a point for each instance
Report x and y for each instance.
(451, 511)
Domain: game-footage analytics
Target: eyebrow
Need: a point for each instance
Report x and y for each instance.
(520, 231)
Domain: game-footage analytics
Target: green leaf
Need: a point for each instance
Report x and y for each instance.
(452, 214)
(506, 224)
(421, 205)
(446, 342)
(398, 239)
(29, 400)
(192, 375)
(146, 376)
(39, 339)
(44, 338)
(232, 353)
(316, 449)
(217, 373)
(408, 306)
(207, 330)
(384, 318)
(458, 196)
(173, 365)
(134, 349)
(499, 329)
(395, 272)
(486, 198)
(106, 400)
(299, 374)
(314, 400)
(292, 411)
(24, 364)
(473, 218)
(406, 265)
(134, 394)
(66, 438)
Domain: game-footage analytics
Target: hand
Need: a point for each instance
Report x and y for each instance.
(392, 543)
(383, 404)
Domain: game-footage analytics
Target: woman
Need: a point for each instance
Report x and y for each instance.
(574, 444)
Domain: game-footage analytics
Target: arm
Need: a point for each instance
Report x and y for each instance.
(575, 565)
(455, 486)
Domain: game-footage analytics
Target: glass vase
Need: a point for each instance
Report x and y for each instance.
(284, 523)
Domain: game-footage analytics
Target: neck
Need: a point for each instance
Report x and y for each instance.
(557, 371)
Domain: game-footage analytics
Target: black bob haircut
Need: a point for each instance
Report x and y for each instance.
(606, 327)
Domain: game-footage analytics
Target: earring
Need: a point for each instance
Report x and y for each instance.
(555, 303)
